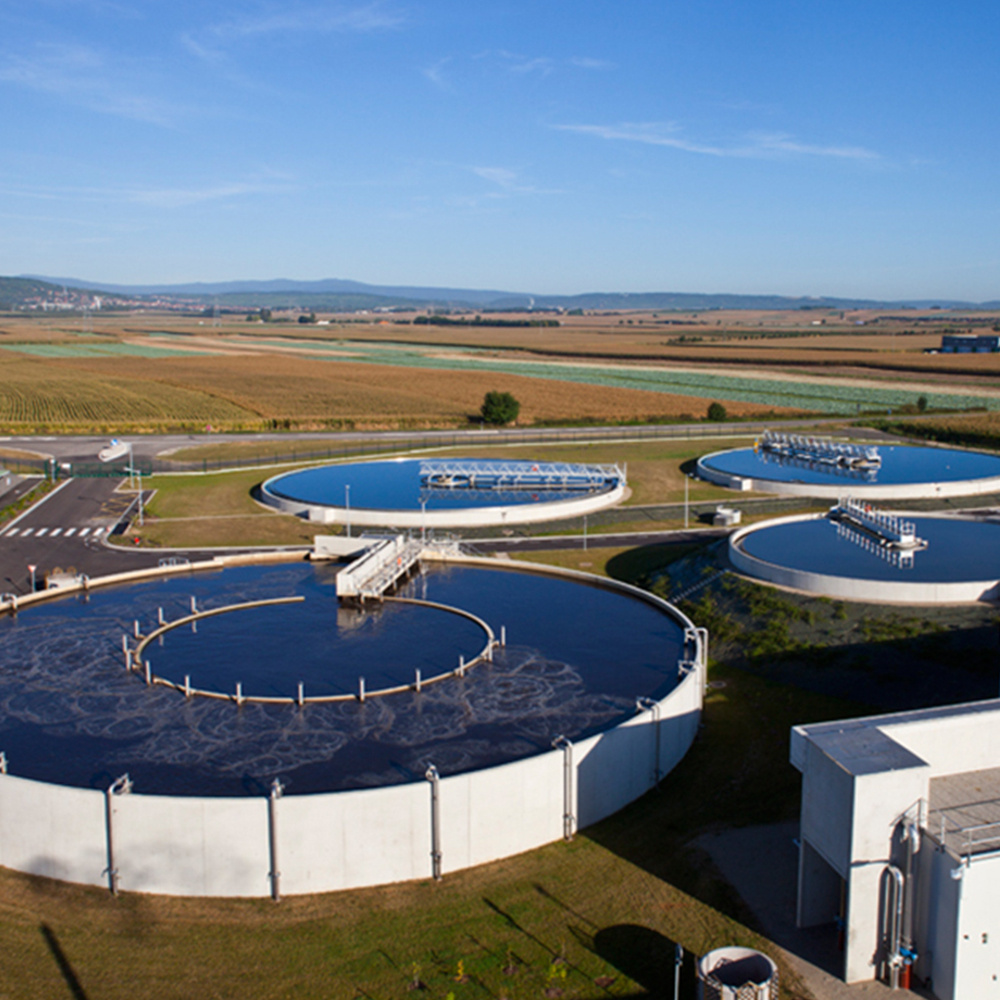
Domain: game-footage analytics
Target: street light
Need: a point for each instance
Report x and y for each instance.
(115, 450)
(31, 569)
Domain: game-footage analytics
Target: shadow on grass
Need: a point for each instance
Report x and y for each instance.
(65, 968)
(648, 958)
(636, 565)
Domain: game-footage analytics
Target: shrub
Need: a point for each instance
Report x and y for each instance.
(716, 411)
(499, 408)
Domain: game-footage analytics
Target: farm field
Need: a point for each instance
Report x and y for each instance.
(260, 392)
(146, 373)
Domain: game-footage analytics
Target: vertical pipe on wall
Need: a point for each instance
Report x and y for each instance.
(643, 704)
(569, 817)
(274, 875)
(434, 778)
(120, 786)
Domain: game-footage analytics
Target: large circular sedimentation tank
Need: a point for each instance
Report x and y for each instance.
(176, 786)
(901, 471)
(952, 559)
(433, 493)
(577, 658)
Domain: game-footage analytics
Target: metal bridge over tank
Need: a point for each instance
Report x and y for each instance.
(379, 569)
(517, 476)
(833, 456)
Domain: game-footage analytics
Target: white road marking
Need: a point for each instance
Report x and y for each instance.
(26, 532)
(84, 531)
(55, 531)
(69, 531)
(40, 532)
(13, 532)
(97, 531)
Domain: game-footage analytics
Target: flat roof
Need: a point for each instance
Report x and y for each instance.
(964, 811)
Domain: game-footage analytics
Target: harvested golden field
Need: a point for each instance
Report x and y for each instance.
(48, 394)
(306, 392)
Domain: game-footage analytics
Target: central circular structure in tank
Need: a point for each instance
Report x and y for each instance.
(857, 553)
(819, 467)
(418, 493)
(577, 657)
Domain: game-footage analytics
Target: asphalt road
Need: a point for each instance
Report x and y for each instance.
(85, 448)
(65, 531)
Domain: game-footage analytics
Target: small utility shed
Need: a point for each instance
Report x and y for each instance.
(900, 840)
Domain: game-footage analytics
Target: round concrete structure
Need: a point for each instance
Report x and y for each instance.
(413, 493)
(959, 563)
(438, 813)
(905, 472)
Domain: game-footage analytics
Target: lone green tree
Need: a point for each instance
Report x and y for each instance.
(716, 411)
(499, 408)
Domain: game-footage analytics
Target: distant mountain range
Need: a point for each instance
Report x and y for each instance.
(335, 294)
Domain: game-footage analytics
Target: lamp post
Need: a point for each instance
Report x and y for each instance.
(347, 506)
(31, 570)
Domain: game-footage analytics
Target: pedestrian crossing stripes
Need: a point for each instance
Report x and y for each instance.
(52, 532)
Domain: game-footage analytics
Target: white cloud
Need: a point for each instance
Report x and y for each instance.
(583, 62)
(523, 65)
(327, 17)
(505, 178)
(82, 76)
(435, 73)
(755, 145)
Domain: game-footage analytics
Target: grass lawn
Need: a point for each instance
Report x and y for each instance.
(217, 509)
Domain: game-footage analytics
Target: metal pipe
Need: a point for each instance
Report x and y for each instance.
(431, 774)
(417, 682)
(648, 704)
(272, 838)
(361, 689)
(302, 694)
(149, 673)
(187, 685)
(569, 818)
(895, 924)
(120, 786)
(503, 635)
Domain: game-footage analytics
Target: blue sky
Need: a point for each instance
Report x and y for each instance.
(774, 146)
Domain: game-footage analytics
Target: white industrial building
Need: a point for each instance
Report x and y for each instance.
(900, 842)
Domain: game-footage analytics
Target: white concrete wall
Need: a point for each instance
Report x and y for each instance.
(854, 588)
(468, 517)
(856, 487)
(977, 959)
(220, 846)
(951, 744)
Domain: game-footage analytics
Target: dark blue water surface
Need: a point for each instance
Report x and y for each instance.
(900, 464)
(395, 485)
(957, 550)
(577, 657)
